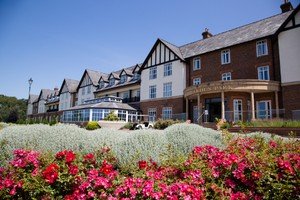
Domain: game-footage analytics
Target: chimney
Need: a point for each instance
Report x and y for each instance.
(286, 6)
(56, 90)
(206, 34)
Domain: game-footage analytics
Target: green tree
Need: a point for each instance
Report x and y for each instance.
(12, 109)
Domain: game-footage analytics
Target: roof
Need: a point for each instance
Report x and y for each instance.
(249, 32)
(44, 94)
(105, 105)
(71, 85)
(33, 98)
(174, 48)
(94, 76)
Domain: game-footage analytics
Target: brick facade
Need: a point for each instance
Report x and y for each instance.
(243, 65)
(177, 105)
(291, 100)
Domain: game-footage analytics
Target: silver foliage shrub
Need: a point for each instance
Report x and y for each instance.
(184, 137)
(129, 147)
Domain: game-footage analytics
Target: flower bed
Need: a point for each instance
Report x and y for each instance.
(247, 168)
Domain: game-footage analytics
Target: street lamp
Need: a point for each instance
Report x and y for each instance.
(30, 82)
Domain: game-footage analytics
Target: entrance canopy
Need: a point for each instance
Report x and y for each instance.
(240, 85)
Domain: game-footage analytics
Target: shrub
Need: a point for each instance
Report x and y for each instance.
(111, 117)
(162, 124)
(184, 137)
(247, 168)
(128, 125)
(93, 125)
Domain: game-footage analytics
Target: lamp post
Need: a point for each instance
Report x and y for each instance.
(30, 82)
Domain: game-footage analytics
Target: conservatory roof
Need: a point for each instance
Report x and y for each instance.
(105, 105)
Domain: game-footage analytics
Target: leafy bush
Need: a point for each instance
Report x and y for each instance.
(270, 123)
(162, 124)
(111, 117)
(128, 125)
(93, 125)
(247, 168)
(184, 137)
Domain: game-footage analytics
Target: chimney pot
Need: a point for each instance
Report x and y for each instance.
(206, 34)
(286, 6)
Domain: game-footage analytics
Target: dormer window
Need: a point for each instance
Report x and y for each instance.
(123, 78)
(101, 84)
(111, 82)
(136, 76)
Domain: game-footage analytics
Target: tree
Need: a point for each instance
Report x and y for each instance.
(12, 109)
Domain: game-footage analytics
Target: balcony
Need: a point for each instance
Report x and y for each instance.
(130, 100)
(52, 110)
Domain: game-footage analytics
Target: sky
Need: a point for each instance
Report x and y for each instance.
(51, 40)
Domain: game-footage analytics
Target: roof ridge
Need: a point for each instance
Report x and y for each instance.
(168, 42)
(235, 28)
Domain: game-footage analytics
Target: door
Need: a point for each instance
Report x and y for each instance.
(264, 110)
(195, 114)
(237, 110)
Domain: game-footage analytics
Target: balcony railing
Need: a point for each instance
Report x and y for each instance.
(52, 110)
(130, 100)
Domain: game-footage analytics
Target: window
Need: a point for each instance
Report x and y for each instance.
(83, 91)
(237, 110)
(263, 73)
(225, 57)
(138, 93)
(196, 64)
(196, 81)
(167, 89)
(261, 48)
(167, 113)
(264, 110)
(152, 91)
(101, 84)
(89, 89)
(153, 73)
(126, 95)
(168, 69)
(152, 114)
(226, 76)
(136, 76)
(123, 78)
(111, 82)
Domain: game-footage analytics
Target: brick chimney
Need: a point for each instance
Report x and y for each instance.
(56, 90)
(286, 6)
(206, 34)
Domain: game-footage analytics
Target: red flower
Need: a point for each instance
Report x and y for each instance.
(142, 164)
(106, 168)
(50, 174)
(70, 156)
(73, 169)
(89, 158)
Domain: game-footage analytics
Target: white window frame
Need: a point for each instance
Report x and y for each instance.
(101, 84)
(168, 69)
(237, 113)
(167, 113)
(268, 112)
(152, 91)
(225, 57)
(167, 89)
(226, 76)
(152, 73)
(123, 78)
(197, 81)
(263, 73)
(196, 64)
(111, 81)
(152, 114)
(261, 48)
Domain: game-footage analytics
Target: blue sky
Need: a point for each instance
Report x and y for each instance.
(51, 40)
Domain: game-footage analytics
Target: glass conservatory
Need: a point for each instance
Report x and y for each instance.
(98, 109)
